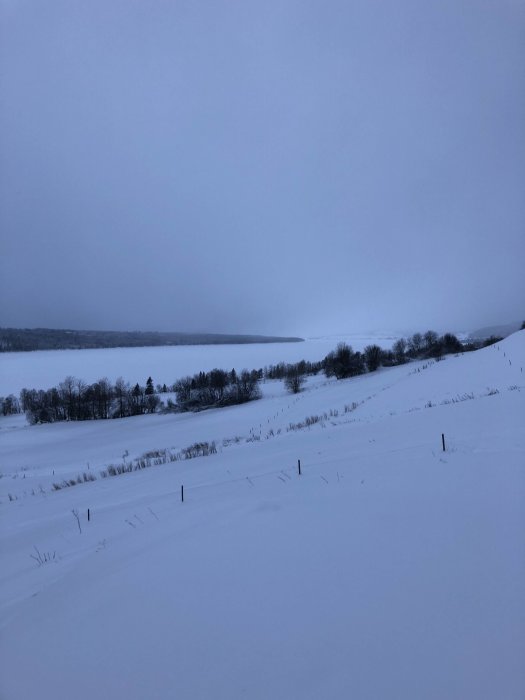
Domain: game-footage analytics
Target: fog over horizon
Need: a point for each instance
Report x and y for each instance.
(279, 168)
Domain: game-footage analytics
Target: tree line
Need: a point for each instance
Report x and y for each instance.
(344, 362)
(73, 399)
(28, 339)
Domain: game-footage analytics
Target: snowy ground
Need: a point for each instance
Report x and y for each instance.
(388, 569)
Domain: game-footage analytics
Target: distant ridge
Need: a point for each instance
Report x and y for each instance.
(28, 339)
(501, 331)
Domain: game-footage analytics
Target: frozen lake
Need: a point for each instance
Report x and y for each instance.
(44, 369)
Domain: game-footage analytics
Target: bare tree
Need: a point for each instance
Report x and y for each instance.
(373, 355)
(399, 349)
(294, 381)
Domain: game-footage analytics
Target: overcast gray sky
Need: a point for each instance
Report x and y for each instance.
(262, 166)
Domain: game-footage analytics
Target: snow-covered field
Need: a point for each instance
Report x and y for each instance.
(388, 569)
(42, 370)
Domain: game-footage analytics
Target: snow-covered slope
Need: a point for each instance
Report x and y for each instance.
(388, 569)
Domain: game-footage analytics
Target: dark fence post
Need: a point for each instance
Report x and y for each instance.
(299, 466)
(182, 494)
(89, 516)
(443, 441)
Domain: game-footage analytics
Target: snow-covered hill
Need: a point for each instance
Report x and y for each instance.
(388, 569)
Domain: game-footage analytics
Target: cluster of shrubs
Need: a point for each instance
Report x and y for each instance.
(220, 388)
(80, 479)
(147, 460)
(216, 388)
(294, 374)
(10, 405)
(283, 370)
(312, 420)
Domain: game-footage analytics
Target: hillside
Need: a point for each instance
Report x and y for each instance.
(387, 569)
